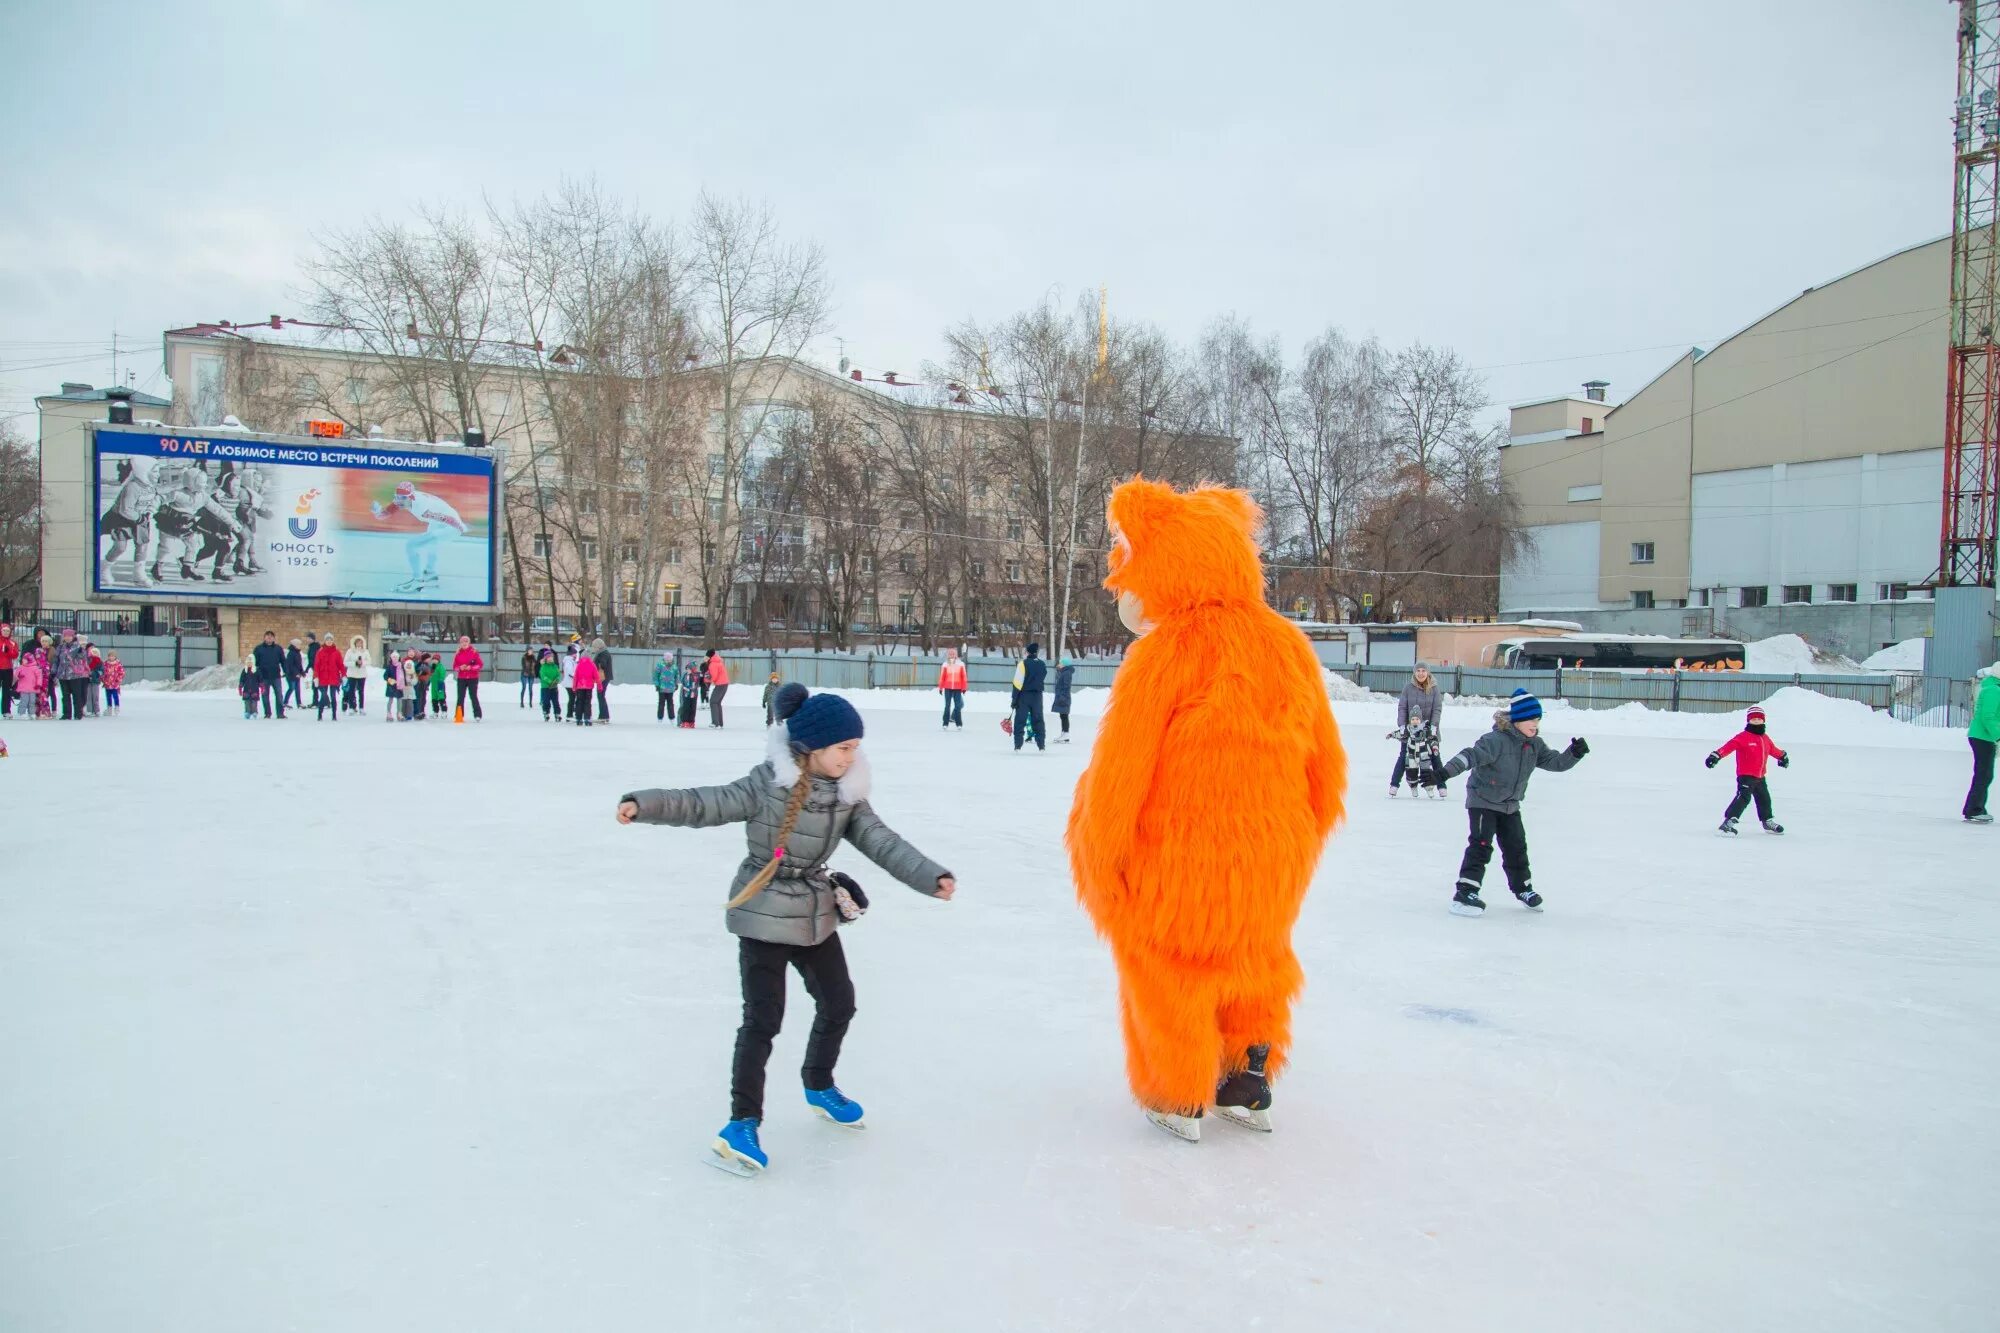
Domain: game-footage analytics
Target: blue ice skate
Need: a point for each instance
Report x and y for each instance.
(737, 1151)
(836, 1106)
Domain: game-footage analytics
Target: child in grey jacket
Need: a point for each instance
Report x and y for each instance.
(1501, 762)
(785, 906)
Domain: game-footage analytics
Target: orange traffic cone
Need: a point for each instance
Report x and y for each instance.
(458, 713)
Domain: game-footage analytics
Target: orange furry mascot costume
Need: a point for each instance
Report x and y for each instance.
(1197, 896)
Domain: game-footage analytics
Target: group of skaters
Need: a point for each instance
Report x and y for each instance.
(1025, 720)
(573, 685)
(62, 675)
(275, 676)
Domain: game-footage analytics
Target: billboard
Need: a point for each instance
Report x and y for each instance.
(246, 517)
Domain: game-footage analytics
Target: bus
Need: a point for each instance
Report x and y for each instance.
(1615, 652)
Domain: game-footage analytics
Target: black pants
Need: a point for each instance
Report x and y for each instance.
(1487, 826)
(823, 967)
(357, 694)
(469, 689)
(6, 691)
(72, 699)
(326, 699)
(1433, 778)
(666, 700)
(1063, 717)
(603, 708)
(1748, 790)
(292, 691)
(268, 686)
(1982, 777)
(954, 708)
(687, 708)
(1028, 710)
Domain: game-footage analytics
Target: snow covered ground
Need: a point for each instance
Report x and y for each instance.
(362, 1027)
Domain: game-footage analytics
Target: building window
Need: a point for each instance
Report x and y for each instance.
(1578, 494)
(635, 504)
(629, 552)
(906, 520)
(1754, 597)
(868, 610)
(868, 565)
(673, 555)
(906, 608)
(1014, 529)
(979, 569)
(905, 565)
(543, 546)
(589, 545)
(1892, 592)
(1642, 553)
(586, 503)
(1014, 572)
(1701, 597)
(631, 593)
(715, 511)
(714, 466)
(1798, 592)
(1642, 599)
(1840, 592)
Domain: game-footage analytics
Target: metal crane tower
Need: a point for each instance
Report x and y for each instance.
(1972, 394)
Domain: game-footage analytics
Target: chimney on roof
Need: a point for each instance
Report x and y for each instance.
(888, 377)
(121, 406)
(1594, 389)
(71, 386)
(855, 375)
(475, 438)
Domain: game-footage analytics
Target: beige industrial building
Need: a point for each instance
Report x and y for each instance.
(1798, 463)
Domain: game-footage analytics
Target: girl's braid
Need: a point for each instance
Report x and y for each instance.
(800, 790)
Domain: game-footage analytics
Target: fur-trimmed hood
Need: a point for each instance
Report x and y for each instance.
(854, 787)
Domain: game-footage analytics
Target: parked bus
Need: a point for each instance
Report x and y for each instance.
(1613, 652)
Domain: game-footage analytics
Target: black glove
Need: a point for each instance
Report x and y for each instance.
(1784, 761)
(847, 895)
(1711, 761)
(1579, 747)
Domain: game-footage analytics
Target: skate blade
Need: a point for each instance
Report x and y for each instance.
(827, 1116)
(1183, 1127)
(1246, 1117)
(727, 1159)
(1460, 909)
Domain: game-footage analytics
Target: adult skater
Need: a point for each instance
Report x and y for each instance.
(716, 672)
(1754, 751)
(440, 521)
(1030, 675)
(69, 664)
(269, 660)
(1197, 896)
(10, 657)
(1059, 701)
(809, 794)
(951, 684)
(1983, 734)
(1419, 710)
(570, 654)
(666, 681)
(530, 667)
(1501, 762)
(601, 656)
(357, 675)
(296, 667)
(329, 675)
(466, 665)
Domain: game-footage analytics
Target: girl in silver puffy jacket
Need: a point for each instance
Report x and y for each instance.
(785, 906)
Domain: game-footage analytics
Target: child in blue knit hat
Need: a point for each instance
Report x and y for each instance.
(1501, 763)
(809, 795)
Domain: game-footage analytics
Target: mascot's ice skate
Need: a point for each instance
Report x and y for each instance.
(1217, 775)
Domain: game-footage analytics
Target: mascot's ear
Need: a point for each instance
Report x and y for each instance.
(1138, 506)
(1234, 506)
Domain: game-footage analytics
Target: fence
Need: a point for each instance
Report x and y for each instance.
(158, 657)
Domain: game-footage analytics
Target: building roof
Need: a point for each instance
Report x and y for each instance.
(284, 331)
(137, 399)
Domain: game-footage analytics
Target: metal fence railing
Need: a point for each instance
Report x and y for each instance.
(1923, 700)
(816, 671)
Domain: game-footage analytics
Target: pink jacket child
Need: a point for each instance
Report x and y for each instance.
(586, 673)
(31, 678)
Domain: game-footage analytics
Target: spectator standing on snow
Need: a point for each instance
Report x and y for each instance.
(93, 683)
(329, 674)
(690, 695)
(1984, 733)
(466, 666)
(951, 684)
(530, 671)
(770, 693)
(438, 674)
(296, 666)
(1059, 701)
(114, 682)
(601, 656)
(308, 656)
(666, 681)
(1501, 762)
(1030, 675)
(716, 672)
(392, 685)
(420, 695)
(269, 659)
(1754, 751)
(1419, 709)
(10, 659)
(586, 687)
(548, 672)
(357, 674)
(31, 679)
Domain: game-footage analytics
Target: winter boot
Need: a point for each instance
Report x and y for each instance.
(190, 573)
(737, 1151)
(1244, 1098)
(1186, 1127)
(1467, 902)
(1529, 899)
(1728, 826)
(1773, 826)
(833, 1104)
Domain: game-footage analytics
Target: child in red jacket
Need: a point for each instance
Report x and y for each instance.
(1754, 751)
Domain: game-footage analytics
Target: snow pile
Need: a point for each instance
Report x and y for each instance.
(221, 676)
(1790, 655)
(1905, 656)
(1343, 690)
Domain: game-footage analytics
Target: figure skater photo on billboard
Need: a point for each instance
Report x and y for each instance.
(440, 521)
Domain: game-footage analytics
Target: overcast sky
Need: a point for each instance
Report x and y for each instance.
(1544, 185)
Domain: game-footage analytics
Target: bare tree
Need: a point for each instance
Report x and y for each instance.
(1432, 401)
(20, 521)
